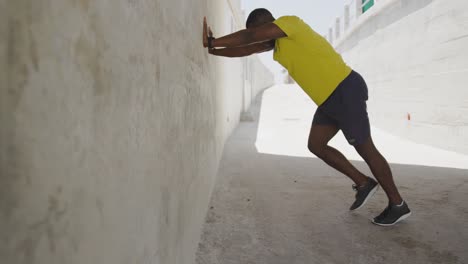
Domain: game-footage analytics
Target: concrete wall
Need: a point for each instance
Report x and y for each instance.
(113, 119)
(413, 55)
(256, 78)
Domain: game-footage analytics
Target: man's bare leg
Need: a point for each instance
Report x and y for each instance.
(381, 170)
(319, 137)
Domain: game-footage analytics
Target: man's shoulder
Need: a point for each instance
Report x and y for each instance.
(291, 25)
(289, 18)
(288, 23)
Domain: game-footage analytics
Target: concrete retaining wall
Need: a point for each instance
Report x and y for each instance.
(413, 55)
(113, 120)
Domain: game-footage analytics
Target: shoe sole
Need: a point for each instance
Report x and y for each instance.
(403, 217)
(371, 193)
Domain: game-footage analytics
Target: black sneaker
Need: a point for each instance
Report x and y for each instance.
(363, 193)
(392, 215)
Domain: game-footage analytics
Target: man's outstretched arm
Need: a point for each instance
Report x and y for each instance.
(244, 50)
(244, 37)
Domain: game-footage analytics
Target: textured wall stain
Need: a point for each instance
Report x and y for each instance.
(100, 208)
(89, 52)
(83, 4)
(16, 172)
(13, 29)
(89, 57)
(49, 227)
(18, 69)
(33, 50)
(33, 16)
(101, 78)
(22, 51)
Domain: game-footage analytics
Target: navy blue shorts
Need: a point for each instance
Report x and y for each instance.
(346, 109)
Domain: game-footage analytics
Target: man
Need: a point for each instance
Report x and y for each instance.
(339, 92)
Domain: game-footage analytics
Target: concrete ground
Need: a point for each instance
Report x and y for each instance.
(274, 203)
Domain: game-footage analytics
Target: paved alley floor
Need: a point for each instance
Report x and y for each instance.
(275, 203)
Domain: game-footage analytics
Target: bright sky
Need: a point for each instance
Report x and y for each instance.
(319, 14)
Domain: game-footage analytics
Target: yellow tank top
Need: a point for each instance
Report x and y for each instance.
(311, 61)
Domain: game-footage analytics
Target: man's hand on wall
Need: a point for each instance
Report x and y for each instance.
(210, 35)
(207, 34)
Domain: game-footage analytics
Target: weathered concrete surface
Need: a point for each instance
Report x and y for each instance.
(413, 55)
(276, 209)
(112, 123)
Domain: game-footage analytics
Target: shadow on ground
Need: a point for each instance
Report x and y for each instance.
(270, 209)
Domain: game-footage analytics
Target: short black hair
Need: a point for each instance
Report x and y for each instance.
(259, 15)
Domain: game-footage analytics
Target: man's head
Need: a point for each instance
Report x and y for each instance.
(259, 17)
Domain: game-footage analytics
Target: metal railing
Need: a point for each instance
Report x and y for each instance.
(353, 10)
(367, 5)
